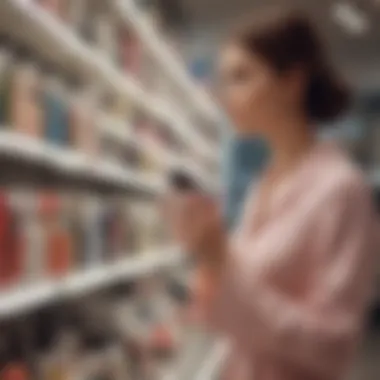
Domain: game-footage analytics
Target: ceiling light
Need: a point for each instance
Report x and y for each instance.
(350, 18)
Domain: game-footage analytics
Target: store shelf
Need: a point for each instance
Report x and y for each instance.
(56, 165)
(59, 44)
(165, 56)
(115, 187)
(121, 132)
(31, 297)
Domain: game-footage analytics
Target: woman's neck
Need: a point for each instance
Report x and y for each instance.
(289, 147)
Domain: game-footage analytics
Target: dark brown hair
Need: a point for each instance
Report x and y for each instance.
(287, 40)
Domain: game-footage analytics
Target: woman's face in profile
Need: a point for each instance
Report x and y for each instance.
(251, 91)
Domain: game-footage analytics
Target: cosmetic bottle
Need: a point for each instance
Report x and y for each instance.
(25, 98)
(59, 245)
(83, 117)
(106, 33)
(59, 249)
(115, 229)
(6, 75)
(142, 128)
(30, 234)
(121, 108)
(88, 26)
(76, 229)
(131, 52)
(11, 251)
(93, 235)
(56, 126)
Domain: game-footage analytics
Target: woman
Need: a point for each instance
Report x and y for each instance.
(290, 287)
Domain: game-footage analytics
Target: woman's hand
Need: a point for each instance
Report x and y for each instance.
(196, 224)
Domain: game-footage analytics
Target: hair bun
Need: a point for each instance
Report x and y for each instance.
(289, 40)
(327, 98)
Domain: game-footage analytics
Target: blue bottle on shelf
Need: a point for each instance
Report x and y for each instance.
(6, 73)
(56, 128)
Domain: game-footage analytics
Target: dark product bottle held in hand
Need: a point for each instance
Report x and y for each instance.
(181, 181)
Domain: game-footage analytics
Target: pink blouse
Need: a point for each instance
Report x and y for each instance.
(295, 290)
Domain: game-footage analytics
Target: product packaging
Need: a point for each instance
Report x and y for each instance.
(106, 33)
(59, 242)
(56, 120)
(6, 74)
(31, 234)
(25, 101)
(12, 260)
(131, 52)
(83, 114)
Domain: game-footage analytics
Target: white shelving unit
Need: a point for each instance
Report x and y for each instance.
(167, 59)
(70, 162)
(55, 41)
(28, 297)
(112, 128)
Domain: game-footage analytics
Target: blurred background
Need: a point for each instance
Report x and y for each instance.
(99, 101)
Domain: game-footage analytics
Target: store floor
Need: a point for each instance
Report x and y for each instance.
(368, 365)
